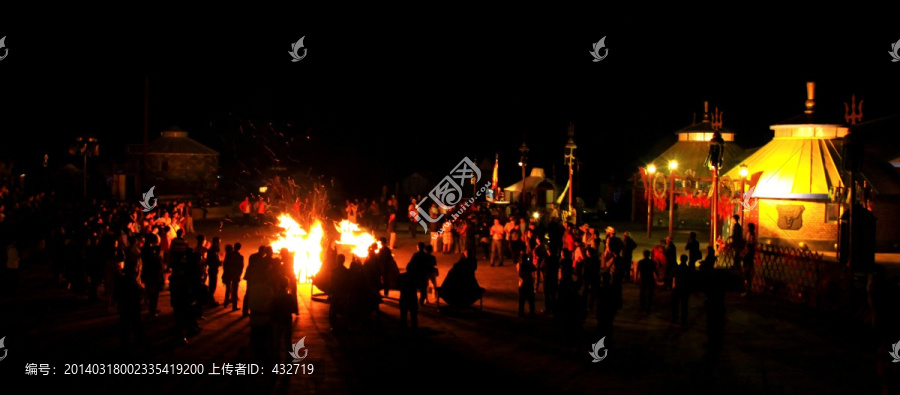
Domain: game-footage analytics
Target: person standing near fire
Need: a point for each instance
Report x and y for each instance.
(413, 221)
(245, 210)
(392, 229)
(261, 211)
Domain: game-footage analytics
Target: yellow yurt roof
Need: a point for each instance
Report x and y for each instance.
(794, 168)
(692, 147)
(802, 161)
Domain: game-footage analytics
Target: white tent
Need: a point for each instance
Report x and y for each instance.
(543, 189)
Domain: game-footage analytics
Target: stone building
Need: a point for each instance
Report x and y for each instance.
(178, 165)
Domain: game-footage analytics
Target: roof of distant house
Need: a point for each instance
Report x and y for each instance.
(176, 141)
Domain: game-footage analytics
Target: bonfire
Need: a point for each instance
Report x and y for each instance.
(307, 245)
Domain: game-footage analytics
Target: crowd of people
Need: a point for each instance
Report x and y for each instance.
(118, 254)
(578, 270)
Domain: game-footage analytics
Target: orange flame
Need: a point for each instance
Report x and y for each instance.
(307, 247)
(355, 238)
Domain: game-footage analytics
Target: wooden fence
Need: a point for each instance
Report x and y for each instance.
(792, 274)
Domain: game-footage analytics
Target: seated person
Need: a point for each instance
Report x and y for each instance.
(460, 288)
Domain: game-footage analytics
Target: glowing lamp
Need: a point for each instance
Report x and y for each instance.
(263, 189)
(743, 172)
(651, 169)
(673, 164)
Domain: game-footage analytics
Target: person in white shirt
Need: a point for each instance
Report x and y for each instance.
(498, 235)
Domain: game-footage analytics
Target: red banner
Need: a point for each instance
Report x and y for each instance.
(691, 201)
(725, 208)
(646, 183)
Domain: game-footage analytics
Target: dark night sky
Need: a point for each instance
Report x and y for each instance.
(384, 99)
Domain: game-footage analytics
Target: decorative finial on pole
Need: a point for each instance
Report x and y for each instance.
(717, 119)
(705, 111)
(851, 115)
(810, 96)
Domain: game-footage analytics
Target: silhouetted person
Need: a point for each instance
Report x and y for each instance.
(681, 291)
(419, 267)
(620, 270)
(181, 300)
(409, 304)
(338, 291)
(213, 263)
(551, 282)
(432, 274)
(256, 268)
(526, 271)
(114, 255)
(591, 275)
(566, 267)
(737, 239)
(647, 272)
(460, 288)
(232, 269)
(628, 250)
(613, 242)
(389, 267)
(372, 267)
(152, 273)
(693, 249)
(196, 277)
(540, 253)
(261, 300)
(571, 309)
(285, 269)
(284, 300)
(128, 300)
(671, 261)
(749, 259)
(607, 306)
(714, 284)
(708, 263)
(177, 248)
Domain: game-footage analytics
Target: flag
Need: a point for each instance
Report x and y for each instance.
(754, 179)
(562, 195)
(495, 180)
(646, 182)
